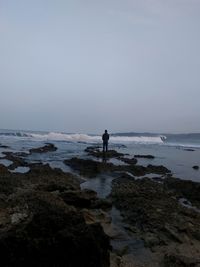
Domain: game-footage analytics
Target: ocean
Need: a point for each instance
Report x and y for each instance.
(177, 152)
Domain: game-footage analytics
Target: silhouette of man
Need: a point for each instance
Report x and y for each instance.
(105, 138)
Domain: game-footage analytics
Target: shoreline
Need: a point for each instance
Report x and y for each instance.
(134, 220)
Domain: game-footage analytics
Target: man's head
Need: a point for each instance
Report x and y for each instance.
(106, 131)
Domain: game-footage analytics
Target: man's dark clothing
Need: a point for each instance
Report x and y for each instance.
(105, 138)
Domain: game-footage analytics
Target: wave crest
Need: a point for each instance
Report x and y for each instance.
(76, 137)
(90, 139)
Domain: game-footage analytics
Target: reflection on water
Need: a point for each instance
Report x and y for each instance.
(101, 184)
(6, 162)
(21, 170)
(126, 241)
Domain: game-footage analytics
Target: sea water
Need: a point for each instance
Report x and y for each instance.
(179, 152)
(168, 150)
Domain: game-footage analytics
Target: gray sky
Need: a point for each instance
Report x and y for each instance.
(88, 65)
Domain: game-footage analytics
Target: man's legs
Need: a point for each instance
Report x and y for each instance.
(103, 146)
(106, 146)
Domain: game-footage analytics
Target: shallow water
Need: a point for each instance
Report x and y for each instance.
(175, 158)
(21, 170)
(101, 184)
(186, 203)
(6, 162)
(126, 241)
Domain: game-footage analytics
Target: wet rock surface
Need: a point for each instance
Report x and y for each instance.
(184, 189)
(91, 168)
(42, 224)
(4, 146)
(47, 220)
(44, 149)
(97, 152)
(195, 167)
(18, 159)
(144, 156)
(153, 212)
(130, 161)
(88, 167)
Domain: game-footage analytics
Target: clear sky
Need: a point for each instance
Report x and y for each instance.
(87, 65)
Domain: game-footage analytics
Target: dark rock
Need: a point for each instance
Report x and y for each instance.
(81, 199)
(3, 146)
(47, 148)
(96, 152)
(44, 178)
(127, 175)
(3, 169)
(132, 161)
(158, 179)
(144, 156)
(151, 240)
(184, 188)
(91, 149)
(16, 158)
(91, 168)
(153, 210)
(8, 182)
(157, 169)
(137, 170)
(88, 167)
(175, 260)
(41, 223)
(48, 232)
(195, 167)
(189, 149)
(103, 204)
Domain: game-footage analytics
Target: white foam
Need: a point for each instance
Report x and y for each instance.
(182, 145)
(92, 139)
(137, 139)
(66, 137)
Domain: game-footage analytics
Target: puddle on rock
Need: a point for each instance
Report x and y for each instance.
(6, 162)
(21, 170)
(101, 184)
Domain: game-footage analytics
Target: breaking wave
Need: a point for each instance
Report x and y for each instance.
(96, 138)
(56, 136)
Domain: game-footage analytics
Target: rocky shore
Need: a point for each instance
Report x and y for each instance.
(47, 220)
(42, 220)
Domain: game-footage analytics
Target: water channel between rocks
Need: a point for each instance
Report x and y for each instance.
(123, 241)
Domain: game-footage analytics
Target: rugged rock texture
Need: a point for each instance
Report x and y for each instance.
(88, 167)
(19, 158)
(42, 223)
(96, 152)
(157, 169)
(154, 213)
(129, 161)
(16, 158)
(184, 189)
(47, 220)
(144, 156)
(47, 148)
(91, 168)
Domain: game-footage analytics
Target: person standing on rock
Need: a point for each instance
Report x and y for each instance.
(105, 138)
